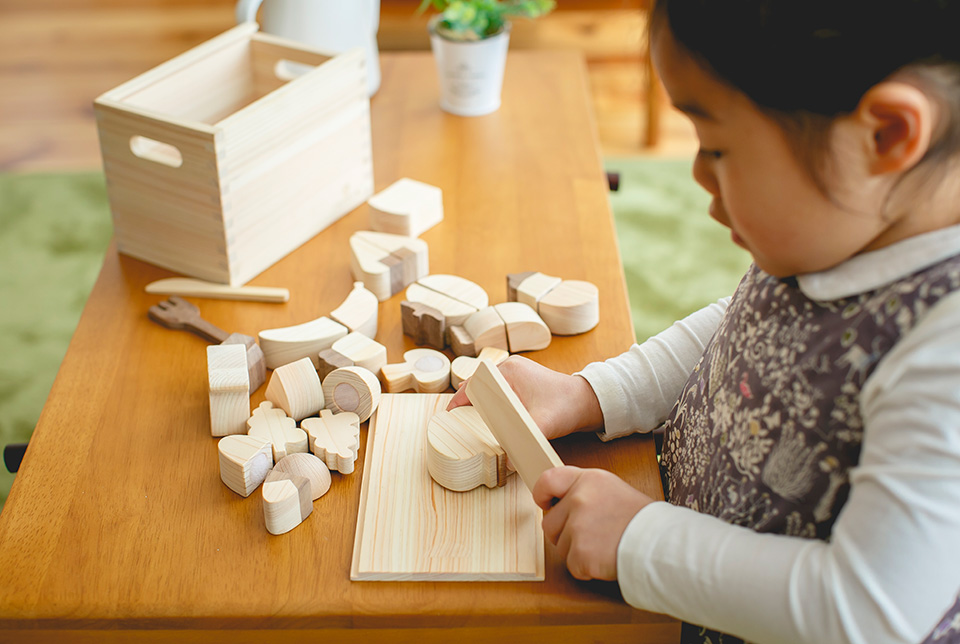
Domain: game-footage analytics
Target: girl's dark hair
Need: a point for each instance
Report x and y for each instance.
(805, 63)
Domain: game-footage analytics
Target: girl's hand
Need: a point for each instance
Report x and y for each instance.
(559, 403)
(586, 524)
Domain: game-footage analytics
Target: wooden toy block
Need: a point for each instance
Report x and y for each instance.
(288, 344)
(177, 313)
(286, 501)
(361, 351)
(330, 361)
(309, 466)
(334, 438)
(511, 424)
(568, 307)
(462, 453)
(244, 462)
(464, 366)
(461, 342)
(217, 167)
(352, 389)
(425, 324)
(359, 311)
(406, 207)
(455, 297)
(295, 388)
(423, 370)
(487, 329)
(571, 308)
(525, 330)
(279, 429)
(387, 263)
(229, 389)
(199, 288)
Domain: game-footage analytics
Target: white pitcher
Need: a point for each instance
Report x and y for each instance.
(328, 25)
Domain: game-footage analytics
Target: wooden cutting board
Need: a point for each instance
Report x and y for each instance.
(409, 528)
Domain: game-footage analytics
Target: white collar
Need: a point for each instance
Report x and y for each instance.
(874, 269)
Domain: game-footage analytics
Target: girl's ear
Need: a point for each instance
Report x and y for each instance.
(900, 118)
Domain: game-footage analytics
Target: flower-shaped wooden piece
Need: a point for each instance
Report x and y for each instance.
(335, 439)
(244, 462)
(424, 370)
(462, 453)
(275, 426)
(286, 501)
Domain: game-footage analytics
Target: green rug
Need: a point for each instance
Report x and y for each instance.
(56, 228)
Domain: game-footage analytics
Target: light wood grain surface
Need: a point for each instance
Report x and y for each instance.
(118, 523)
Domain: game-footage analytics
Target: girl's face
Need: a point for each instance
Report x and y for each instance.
(760, 190)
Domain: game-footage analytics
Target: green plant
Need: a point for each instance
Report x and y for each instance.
(479, 19)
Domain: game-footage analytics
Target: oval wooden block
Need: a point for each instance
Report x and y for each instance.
(295, 388)
(310, 467)
(353, 389)
(462, 453)
(573, 307)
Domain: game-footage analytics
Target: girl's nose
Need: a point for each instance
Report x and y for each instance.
(703, 174)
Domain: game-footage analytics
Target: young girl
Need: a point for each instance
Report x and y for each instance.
(812, 444)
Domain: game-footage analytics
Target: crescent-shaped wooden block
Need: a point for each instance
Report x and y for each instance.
(287, 344)
(353, 389)
(279, 429)
(244, 462)
(464, 366)
(229, 384)
(462, 453)
(286, 501)
(568, 307)
(334, 438)
(424, 370)
(309, 466)
(387, 263)
(406, 207)
(296, 389)
(359, 312)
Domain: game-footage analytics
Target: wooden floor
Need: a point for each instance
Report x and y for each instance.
(56, 56)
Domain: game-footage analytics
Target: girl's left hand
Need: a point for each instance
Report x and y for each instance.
(586, 524)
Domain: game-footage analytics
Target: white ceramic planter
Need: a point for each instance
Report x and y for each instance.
(470, 72)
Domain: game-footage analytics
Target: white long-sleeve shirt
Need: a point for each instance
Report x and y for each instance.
(892, 566)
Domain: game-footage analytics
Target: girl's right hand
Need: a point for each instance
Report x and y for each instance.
(560, 404)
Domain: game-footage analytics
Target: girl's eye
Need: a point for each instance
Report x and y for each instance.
(710, 154)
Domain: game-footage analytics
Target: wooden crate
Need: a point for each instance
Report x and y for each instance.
(224, 159)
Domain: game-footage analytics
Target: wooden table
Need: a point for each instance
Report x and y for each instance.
(118, 523)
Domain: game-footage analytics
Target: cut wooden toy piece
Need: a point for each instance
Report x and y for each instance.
(244, 462)
(288, 344)
(229, 385)
(406, 207)
(309, 466)
(512, 326)
(462, 453)
(354, 349)
(296, 389)
(177, 313)
(423, 370)
(511, 424)
(335, 439)
(425, 324)
(287, 501)
(359, 312)
(352, 389)
(199, 288)
(455, 297)
(464, 366)
(387, 263)
(279, 429)
(568, 307)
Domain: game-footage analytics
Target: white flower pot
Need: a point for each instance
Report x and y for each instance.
(470, 72)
